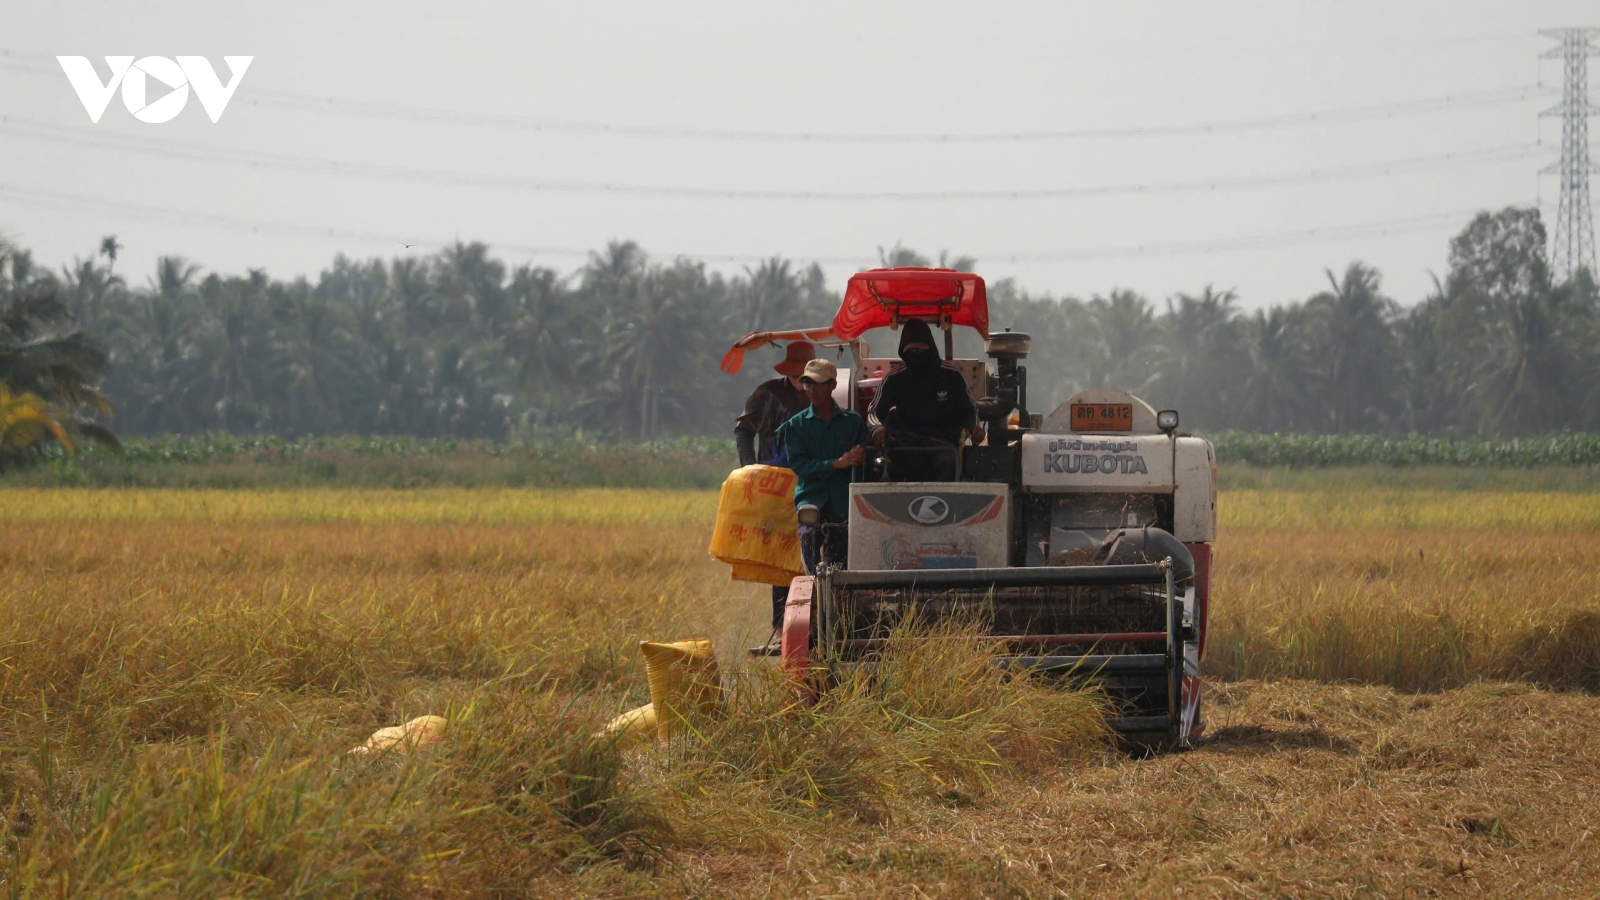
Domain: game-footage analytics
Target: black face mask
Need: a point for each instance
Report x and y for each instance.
(919, 357)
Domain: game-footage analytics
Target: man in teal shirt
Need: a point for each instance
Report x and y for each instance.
(823, 444)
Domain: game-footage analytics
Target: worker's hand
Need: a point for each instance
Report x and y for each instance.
(880, 437)
(976, 433)
(852, 457)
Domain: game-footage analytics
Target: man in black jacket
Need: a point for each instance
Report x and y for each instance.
(923, 408)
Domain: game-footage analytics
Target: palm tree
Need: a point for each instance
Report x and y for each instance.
(1200, 368)
(469, 293)
(165, 370)
(1355, 350)
(235, 349)
(543, 340)
(1125, 342)
(1432, 404)
(108, 248)
(654, 329)
(898, 257)
(43, 357)
(312, 351)
(1281, 376)
(27, 425)
(1527, 363)
(769, 297)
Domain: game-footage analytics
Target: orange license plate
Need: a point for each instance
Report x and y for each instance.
(1102, 417)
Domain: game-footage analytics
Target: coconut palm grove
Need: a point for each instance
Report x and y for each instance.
(625, 348)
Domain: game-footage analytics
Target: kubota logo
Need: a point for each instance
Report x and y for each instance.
(134, 76)
(929, 510)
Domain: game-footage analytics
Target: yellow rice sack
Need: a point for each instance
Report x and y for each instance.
(684, 682)
(636, 724)
(419, 732)
(761, 574)
(756, 532)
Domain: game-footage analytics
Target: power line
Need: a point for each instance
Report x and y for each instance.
(31, 129)
(379, 109)
(1268, 240)
(24, 196)
(317, 103)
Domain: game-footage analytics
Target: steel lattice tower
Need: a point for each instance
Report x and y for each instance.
(1573, 245)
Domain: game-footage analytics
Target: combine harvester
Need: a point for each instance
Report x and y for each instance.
(1080, 539)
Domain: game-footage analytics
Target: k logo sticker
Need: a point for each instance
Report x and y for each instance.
(929, 510)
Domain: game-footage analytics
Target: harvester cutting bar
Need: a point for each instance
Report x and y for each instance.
(1031, 576)
(1146, 724)
(1029, 639)
(1115, 664)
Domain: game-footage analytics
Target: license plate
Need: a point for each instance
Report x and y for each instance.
(1102, 417)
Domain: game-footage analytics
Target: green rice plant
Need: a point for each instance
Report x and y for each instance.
(227, 461)
(1323, 450)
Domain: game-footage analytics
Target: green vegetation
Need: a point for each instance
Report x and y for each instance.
(627, 347)
(1322, 450)
(1569, 462)
(222, 461)
(1578, 479)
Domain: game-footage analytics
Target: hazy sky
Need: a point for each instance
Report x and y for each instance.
(222, 194)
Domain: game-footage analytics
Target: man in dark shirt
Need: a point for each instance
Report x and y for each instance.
(824, 443)
(924, 408)
(770, 405)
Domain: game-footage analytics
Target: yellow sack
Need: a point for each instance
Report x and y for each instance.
(419, 732)
(684, 682)
(756, 531)
(761, 574)
(634, 725)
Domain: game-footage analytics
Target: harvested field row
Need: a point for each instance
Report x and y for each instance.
(176, 695)
(1305, 790)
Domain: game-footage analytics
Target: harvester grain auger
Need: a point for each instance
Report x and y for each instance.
(1079, 540)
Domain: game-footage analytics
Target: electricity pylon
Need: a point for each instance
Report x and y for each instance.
(1573, 244)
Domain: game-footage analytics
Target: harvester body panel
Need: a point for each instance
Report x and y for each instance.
(1096, 463)
(929, 525)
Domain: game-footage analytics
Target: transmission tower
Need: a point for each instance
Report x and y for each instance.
(1573, 247)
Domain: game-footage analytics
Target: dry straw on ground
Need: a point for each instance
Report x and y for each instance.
(180, 675)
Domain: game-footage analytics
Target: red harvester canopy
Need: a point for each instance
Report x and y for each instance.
(882, 297)
(733, 360)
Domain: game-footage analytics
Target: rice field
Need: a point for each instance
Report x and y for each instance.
(1401, 703)
(1295, 510)
(436, 506)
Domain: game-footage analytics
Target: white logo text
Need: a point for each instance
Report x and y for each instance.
(133, 77)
